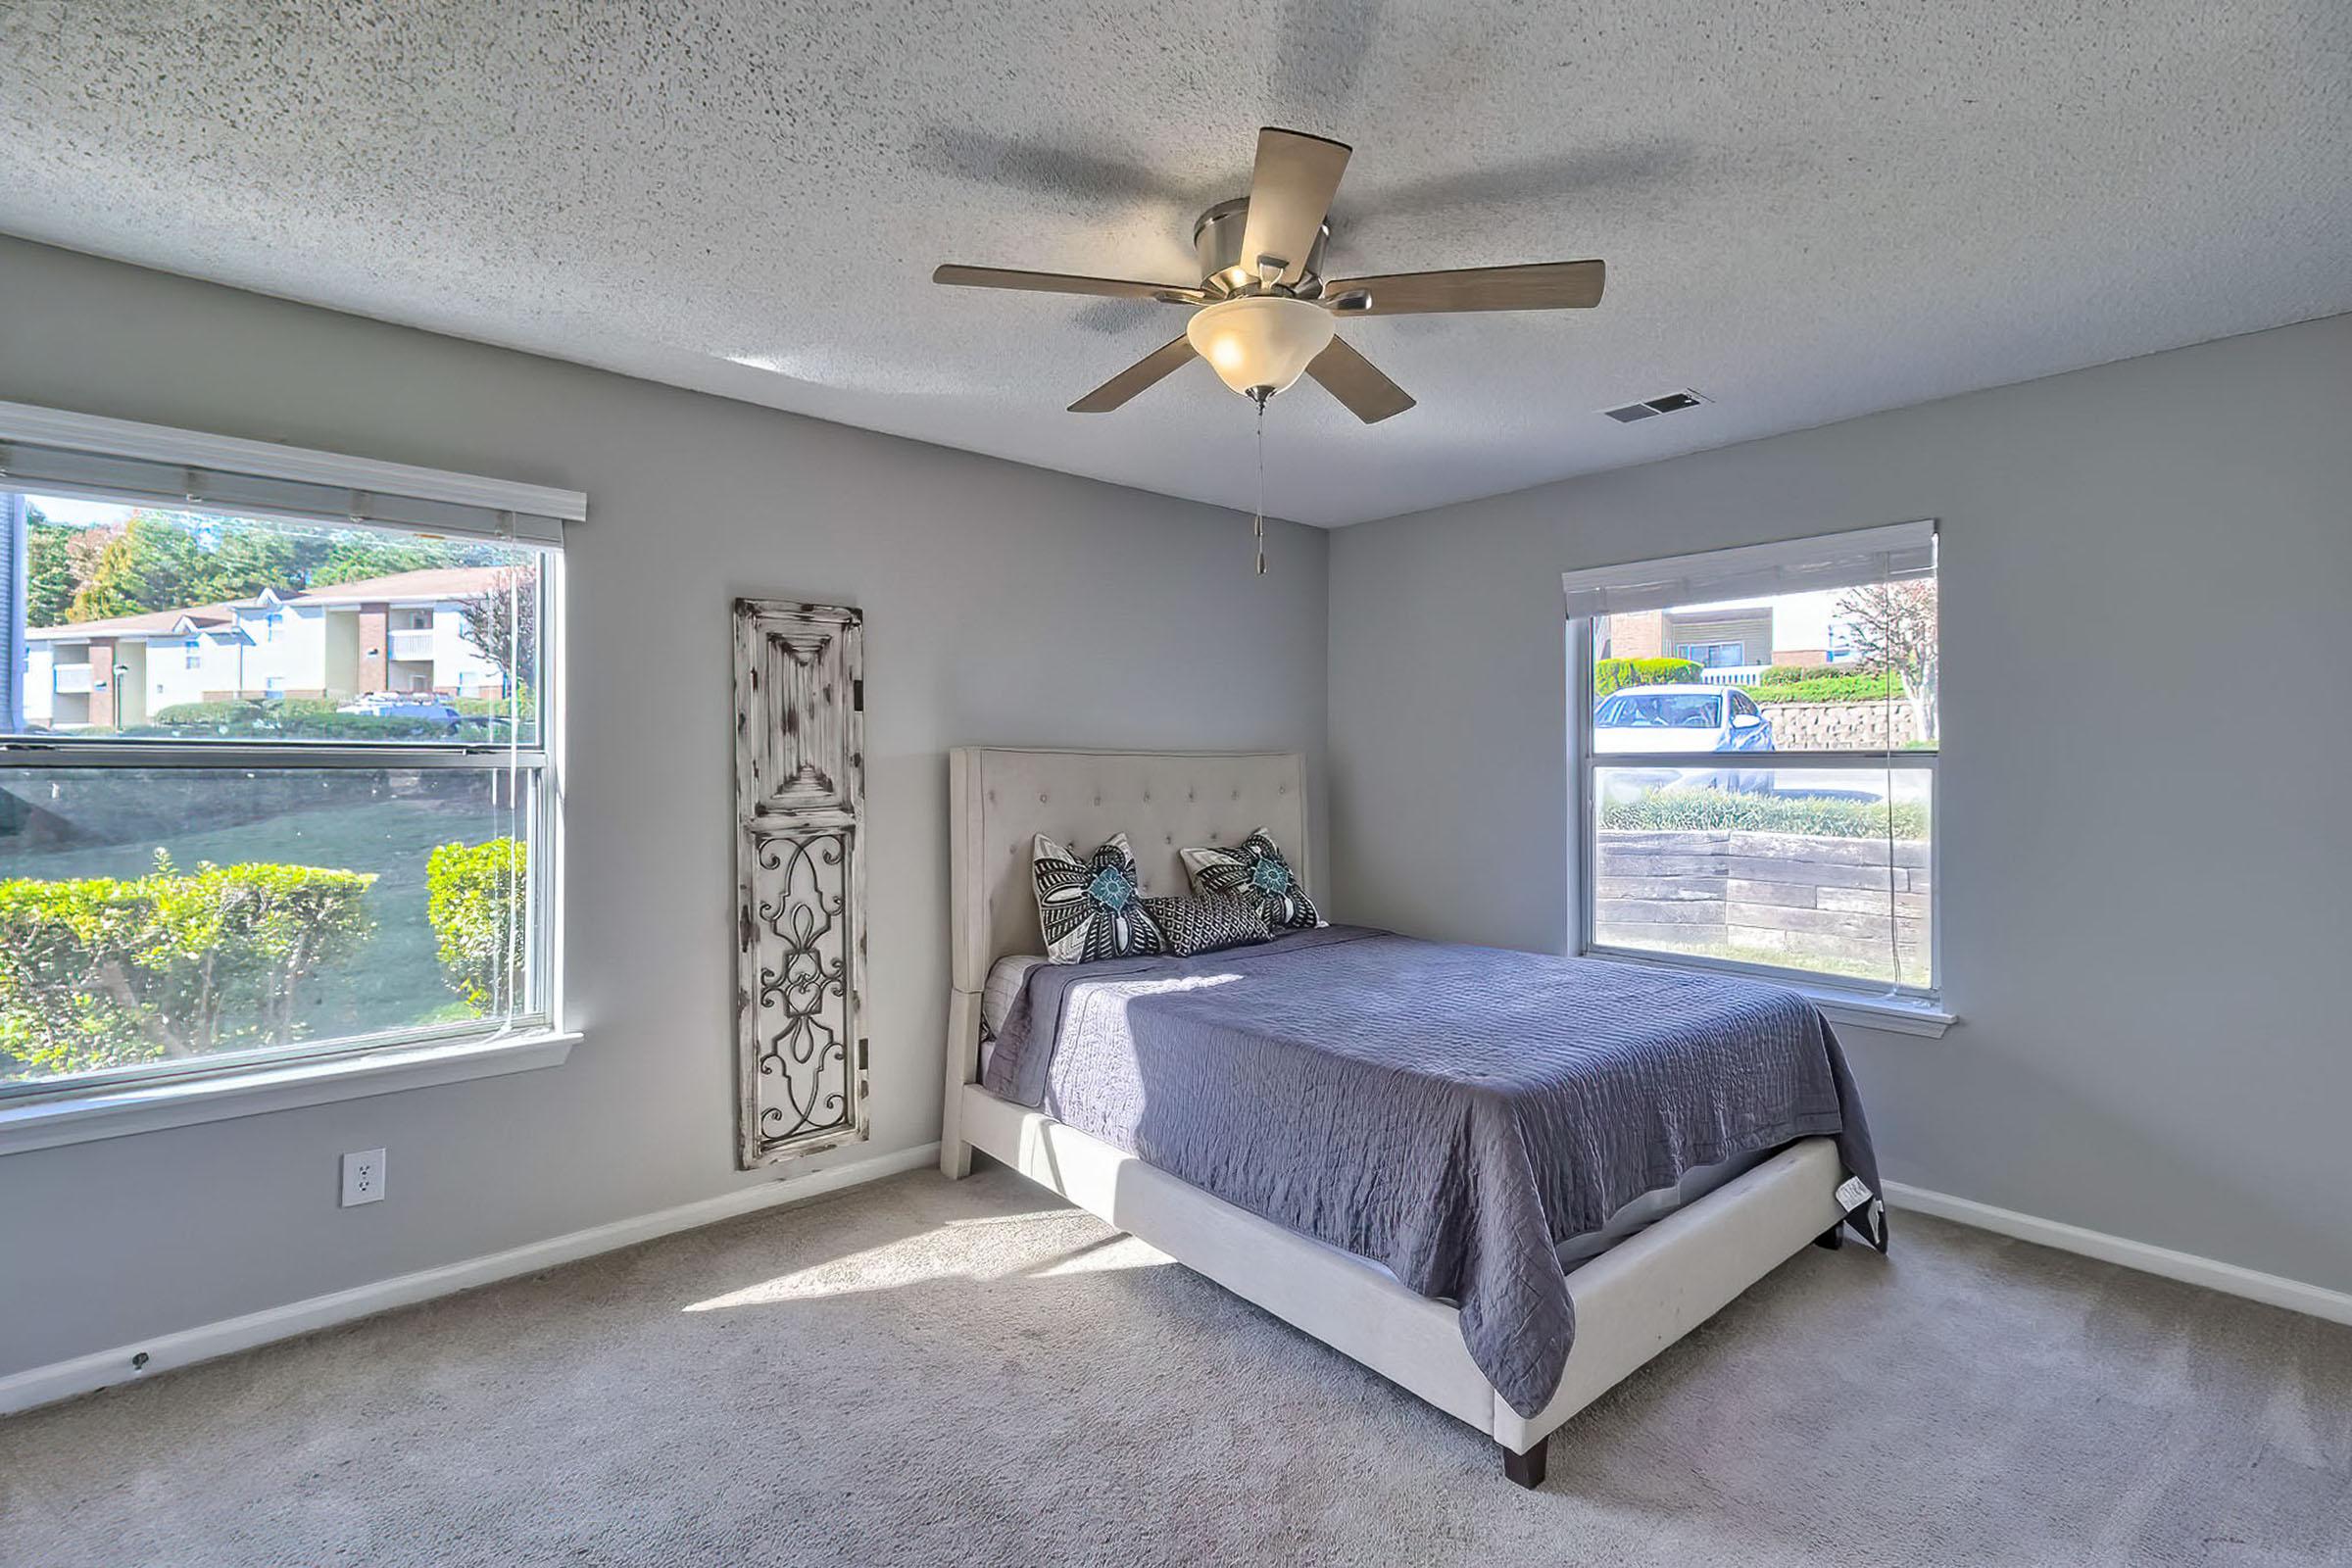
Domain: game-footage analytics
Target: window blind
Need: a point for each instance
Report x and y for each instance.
(59, 453)
(1899, 550)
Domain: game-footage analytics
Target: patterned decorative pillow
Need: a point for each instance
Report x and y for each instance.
(1092, 909)
(1205, 925)
(1257, 874)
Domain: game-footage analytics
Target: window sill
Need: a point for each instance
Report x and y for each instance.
(1898, 1015)
(1902, 1016)
(118, 1112)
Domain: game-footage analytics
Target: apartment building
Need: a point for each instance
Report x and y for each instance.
(398, 633)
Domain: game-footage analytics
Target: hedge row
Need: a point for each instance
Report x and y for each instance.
(318, 718)
(106, 972)
(1608, 674)
(1703, 810)
(1785, 684)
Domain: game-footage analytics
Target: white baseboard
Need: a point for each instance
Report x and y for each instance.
(2230, 1279)
(43, 1385)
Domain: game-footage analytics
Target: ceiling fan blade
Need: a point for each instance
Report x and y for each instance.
(1355, 381)
(1066, 283)
(1541, 286)
(1290, 196)
(1169, 356)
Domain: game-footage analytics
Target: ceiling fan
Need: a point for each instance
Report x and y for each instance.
(1262, 312)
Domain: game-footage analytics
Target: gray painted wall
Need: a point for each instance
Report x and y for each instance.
(1004, 604)
(2143, 925)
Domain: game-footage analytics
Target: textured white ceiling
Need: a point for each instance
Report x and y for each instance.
(1809, 209)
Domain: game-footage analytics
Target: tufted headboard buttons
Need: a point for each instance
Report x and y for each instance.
(999, 799)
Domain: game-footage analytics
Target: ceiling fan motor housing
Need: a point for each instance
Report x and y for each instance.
(1224, 269)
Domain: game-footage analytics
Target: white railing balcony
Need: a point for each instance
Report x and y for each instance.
(71, 679)
(412, 642)
(1732, 674)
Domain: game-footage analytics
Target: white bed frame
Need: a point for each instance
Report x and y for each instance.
(1632, 1302)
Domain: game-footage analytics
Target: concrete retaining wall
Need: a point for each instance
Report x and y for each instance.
(1840, 726)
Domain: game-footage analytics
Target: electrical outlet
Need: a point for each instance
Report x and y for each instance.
(363, 1177)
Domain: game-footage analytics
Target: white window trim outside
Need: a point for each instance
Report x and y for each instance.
(82, 1108)
(1914, 1011)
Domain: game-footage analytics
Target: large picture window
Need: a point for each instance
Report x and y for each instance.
(1774, 813)
(275, 779)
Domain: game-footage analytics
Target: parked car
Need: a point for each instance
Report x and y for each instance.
(1675, 718)
(424, 708)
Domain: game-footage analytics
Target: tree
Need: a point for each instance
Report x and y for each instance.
(49, 576)
(245, 560)
(1892, 627)
(146, 564)
(354, 558)
(503, 622)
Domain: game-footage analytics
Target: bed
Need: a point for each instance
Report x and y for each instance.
(1731, 1219)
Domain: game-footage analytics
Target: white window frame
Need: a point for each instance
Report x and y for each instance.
(1910, 1010)
(54, 451)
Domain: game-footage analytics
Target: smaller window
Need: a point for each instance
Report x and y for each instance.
(1714, 655)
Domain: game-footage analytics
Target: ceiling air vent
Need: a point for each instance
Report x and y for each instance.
(1652, 408)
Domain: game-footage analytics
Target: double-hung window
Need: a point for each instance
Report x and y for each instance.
(1776, 817)
(331, 838)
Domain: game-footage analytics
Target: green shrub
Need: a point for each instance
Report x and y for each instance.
(493, 719)
(103, 972)
(1608, 674)
(309, 718)
(474, 899)
(228, 716)
(1700, 811)
(494, 707)
(1790, 683)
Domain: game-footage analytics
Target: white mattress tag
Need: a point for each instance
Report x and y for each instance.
(1853, 1193)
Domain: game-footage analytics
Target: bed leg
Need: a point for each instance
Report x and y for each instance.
(1526, 1469)
(1834, 1238)
(963, 1067)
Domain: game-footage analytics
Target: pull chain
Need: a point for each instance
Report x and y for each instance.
(1257, 523)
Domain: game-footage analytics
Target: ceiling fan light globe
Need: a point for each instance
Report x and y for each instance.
(1261, 340)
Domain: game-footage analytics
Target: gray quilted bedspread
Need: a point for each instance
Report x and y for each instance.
(1454, 1114)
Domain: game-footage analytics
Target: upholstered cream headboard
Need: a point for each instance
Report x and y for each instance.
(999, 799)
(1002, 799)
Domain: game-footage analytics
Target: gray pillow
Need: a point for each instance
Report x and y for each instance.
(1205, 925)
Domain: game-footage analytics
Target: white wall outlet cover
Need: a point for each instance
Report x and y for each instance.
(363, 1177)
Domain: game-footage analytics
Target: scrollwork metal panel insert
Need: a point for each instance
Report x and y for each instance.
(799, 915)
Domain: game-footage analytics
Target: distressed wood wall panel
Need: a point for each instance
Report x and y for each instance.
(800, 789)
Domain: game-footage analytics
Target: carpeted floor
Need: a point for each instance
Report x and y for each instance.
(925, 1373)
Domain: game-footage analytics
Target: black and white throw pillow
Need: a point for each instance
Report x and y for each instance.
(1092, 909)
(1253, 873)
(1205, 925)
